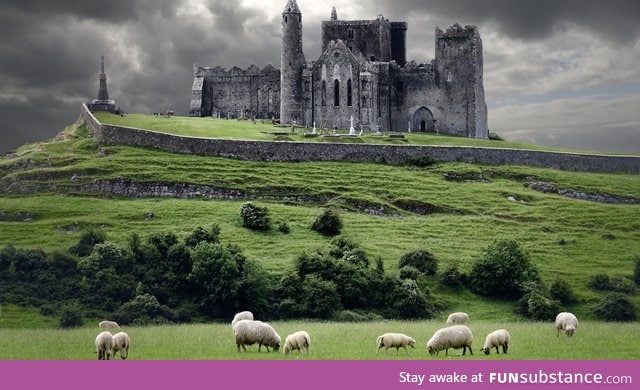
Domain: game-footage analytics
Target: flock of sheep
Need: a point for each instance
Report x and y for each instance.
(248, 331)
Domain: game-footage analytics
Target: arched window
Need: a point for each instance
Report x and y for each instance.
(336, 93)
(349, 92)
(324, 94)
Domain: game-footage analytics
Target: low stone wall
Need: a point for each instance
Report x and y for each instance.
(391, 154)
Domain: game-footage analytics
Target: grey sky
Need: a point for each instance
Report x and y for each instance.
(557, 72)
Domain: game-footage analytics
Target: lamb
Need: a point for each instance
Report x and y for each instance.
(121, 343)
(397, 340)
(496, 339)
(104, 344)
(108, 324)
(457, 318)
(248, 332)
(243, 315)
(456, 336)
(567, 322)
(299, 340)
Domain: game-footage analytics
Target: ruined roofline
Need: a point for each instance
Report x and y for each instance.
(364, 22)
(457, 31)
(252, 70)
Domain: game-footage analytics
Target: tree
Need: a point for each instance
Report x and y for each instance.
(328, 223)
(423, 260)
(615, 306)
(255, 217)
(88, 240)
(501, 270)
(320, 297)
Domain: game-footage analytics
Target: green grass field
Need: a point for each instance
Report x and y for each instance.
(329, 341)
(566, 238)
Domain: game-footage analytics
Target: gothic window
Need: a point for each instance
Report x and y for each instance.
(336, 93)
(373, 58)
(449, 76)
(349, 92)
(285, 19)
(350, 34)
(324, 94)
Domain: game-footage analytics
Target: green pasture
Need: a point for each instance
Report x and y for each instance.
(329, 341)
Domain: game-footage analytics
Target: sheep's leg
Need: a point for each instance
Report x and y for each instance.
(505, 347)
(406, 350)
(470, 350)
(498, 349)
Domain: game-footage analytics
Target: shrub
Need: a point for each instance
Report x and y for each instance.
(328, 223)
(353, 316)
(423, 260)
(283, 227)
(600, 282)
(202, 235)
(320, 297)
(255, 217)
(623, 285)
(71, 316)
(407, 301)
(615, 307)
(561, 291)
(502, 270)
(541, 308)
(636, 270)
(143, 310)
(88, 240)
(451, 276)
(409, 272)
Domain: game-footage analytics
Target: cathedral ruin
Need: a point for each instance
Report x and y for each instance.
(362, 74)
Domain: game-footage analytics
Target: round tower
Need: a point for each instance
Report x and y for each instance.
(292, 64)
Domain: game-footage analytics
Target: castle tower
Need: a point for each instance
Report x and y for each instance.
(103, 94)
(292, 64)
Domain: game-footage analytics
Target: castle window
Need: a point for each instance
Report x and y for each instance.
(285, 19)
(349, 92)
(350, 34)
(324, 94)
(336, 93)
(373, 58)
(449, 77)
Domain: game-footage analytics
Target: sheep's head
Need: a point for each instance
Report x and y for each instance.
(486, 350)
(570, 331)
(432, 351)
(276, 347)
(412, 342)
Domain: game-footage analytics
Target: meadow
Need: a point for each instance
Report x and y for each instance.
(329, 341)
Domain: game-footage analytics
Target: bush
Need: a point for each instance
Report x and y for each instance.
(615, 307)
(636, 271)
(255, 217)
(202, 235)
(600, 282)
(541, 308)
(561, 291)
(328, 223)
(283, 227)
(320, 297)
(71, 316)
(144, 310)
(353, 316)
(623, 285)
(88, 240)
(423, 260)
(409, 272)
(502, 270)
(451, 276)
(408, 301)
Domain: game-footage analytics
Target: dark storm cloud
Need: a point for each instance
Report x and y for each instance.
(616, 19)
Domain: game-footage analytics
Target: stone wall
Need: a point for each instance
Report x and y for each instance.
(390, 154)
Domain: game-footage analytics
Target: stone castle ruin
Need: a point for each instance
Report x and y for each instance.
(361, 77)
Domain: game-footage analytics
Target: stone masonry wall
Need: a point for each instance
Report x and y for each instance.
(391, 154)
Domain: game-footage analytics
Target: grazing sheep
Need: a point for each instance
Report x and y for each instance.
(456, 336)
(104, 343)
(495, 339)
(567, 322)
(243, 315)
(108, 324)
(397, 340)
(299, 340)
(249, 332)
(121, 343)
(457, 318)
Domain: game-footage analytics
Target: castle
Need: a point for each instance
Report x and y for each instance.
(362, 77)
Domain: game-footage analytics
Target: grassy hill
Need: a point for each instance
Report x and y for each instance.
(387, 210)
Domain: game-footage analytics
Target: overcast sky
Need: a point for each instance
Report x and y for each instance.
(561, 73)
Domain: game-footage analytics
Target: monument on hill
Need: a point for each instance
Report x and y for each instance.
(103, 103)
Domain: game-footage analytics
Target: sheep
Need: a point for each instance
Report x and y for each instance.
(121, 343)
(248, 332)
(457, 318)
(104, 344)
(243, 315)
(108, 324)
(496, 339)
(567, 322)
(456, 336)
(299, 340)
(397, 340)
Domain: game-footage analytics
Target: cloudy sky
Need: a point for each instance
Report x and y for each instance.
(561, 73)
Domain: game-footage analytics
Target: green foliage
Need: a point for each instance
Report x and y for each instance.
(143, 309)
(341, 248)
(636, 270)
(354, 316)
(600, 282)
(541, 308)
(451, 276)
(615, 306)
(501, 270)
(408, 301)
(562, 292)
(87, 241)
(283, 227)
(255, 217)
(71, 316)
(423, 260)
(328, 223)
(202, 235)
(320, 298)
(421, 161)
(409, 272)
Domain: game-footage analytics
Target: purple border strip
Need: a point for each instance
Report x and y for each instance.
(309, 375)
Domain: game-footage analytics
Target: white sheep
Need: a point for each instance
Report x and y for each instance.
(457, 318)
(397, 340)
(299, 340)
(243, 315)
(248, 332)
(121, 343)
(496, 339)
(108, 324)
(567, 322)
(104, 343)
(456, 336)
